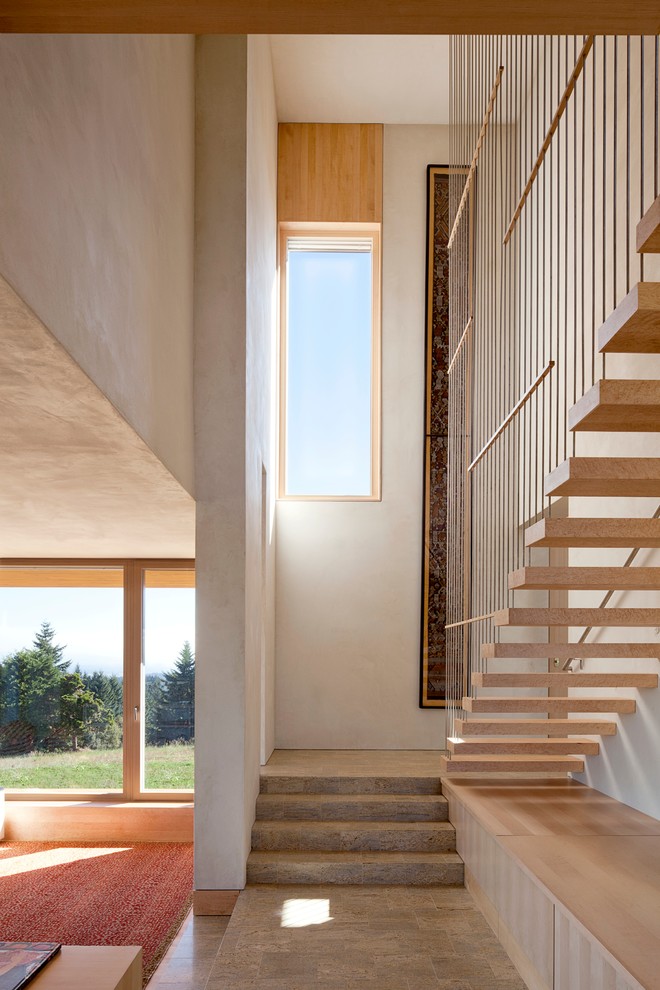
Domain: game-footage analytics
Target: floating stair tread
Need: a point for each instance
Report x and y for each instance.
(621, 406)
(634, 326)
(565, 680)
(535, 726)
(594, 533)
(586, 578)
(578, 617)
(648, 230)
(566, 651)
(522, 746)
(605, 476)
(514, 764)
(571, 704)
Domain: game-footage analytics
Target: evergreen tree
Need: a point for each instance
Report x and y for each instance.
(108, 688)
(44, 706)
(153, 700)
(43, 644)
(29, 688)
(176, 712)
(82, 713)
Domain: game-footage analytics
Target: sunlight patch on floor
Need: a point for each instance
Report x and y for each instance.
(304, 911)
(13, 865)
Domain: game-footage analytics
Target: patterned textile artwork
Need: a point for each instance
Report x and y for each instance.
(434, 564)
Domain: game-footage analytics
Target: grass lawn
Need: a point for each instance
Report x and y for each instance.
(166, 767)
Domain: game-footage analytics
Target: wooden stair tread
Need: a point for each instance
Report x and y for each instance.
(578, 617)
(594, 533)
(586, 578)
(572, 704)
(561, 679)
(622, 406)
(589, 476)
(536, 726)
(648, 230)
(565, 651)
(518, 745)
(512, 764)
(634, 326)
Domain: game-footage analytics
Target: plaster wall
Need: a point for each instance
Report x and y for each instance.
(221, 832)
(348, 573)
(261, 290)
(235, 270)
(96, 215)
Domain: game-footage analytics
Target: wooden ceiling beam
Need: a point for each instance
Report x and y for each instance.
(331, 16)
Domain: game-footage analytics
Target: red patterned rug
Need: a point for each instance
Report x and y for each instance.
(80, 893)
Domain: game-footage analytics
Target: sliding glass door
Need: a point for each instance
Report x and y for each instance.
(97, 668)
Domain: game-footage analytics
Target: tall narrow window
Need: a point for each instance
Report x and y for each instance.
(330, 362)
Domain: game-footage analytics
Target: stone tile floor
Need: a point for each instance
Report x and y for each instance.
(340, 938)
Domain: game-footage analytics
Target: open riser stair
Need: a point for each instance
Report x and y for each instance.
(545, 732)
(353, 830)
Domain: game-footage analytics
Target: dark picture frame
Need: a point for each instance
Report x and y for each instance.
(434, 537)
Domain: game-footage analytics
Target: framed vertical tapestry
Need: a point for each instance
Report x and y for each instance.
(434, 561)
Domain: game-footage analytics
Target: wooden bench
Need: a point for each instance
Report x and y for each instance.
(94, 967)
(568, 878)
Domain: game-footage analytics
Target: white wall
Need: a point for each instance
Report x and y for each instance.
(261, 289)
(349, 573)
(234, 312)
(96, 215)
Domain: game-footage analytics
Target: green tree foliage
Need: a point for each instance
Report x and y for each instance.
(176, 712)
(44, 706)
(107, 687)
(153, 700)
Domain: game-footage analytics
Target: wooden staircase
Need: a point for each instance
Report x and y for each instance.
(507, 742)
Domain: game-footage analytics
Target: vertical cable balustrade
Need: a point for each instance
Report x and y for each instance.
(560, 137)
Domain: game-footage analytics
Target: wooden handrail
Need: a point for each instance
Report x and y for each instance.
(475, 156)
(559, 112)
(514, 412)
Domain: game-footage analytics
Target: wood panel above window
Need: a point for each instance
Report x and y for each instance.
(330, 173)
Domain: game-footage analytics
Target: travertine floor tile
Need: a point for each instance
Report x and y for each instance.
(340, 938)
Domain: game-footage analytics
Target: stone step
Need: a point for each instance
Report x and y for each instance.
(536, 726)
(345, 807)
(605, 476)
(648, 230)
(353, 836)
(585, 532)
(634, 326)
(413, 868)
(345, 784)
(620, 406)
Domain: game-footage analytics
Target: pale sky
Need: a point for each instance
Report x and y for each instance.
(88, 622)
(329, 371)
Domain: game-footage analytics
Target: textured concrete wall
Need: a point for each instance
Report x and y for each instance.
(96, 215)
